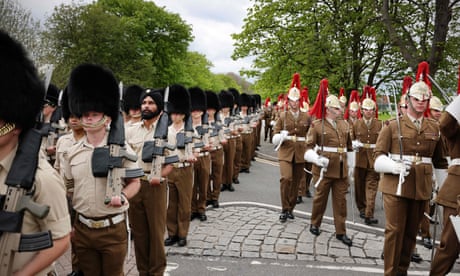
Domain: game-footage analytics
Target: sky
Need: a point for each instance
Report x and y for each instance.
(213, 21)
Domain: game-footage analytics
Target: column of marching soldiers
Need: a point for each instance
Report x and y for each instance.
(172, 150)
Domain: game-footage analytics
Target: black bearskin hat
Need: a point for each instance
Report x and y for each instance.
(155, 94)
(131, 97)
(21, 90)
(52, 94)
(244, 100)
(179, 100)
(226, 99)
(235, 93)
(258, 100)
(198, 98)
(93, 88)
(213, 100)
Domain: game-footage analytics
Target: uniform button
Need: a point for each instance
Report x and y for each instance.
(418, 143)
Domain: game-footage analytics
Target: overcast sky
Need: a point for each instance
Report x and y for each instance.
(212, 21)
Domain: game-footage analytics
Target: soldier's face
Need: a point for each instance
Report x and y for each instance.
(135, 113)
(353, 113)
(435, 114)
(177, 118)
(196, 114)
(294, 105)
(148, 104)
(333, 112)
(74, 122)
(368, 113)
(417, 106)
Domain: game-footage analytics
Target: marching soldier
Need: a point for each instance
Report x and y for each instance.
(290, 131)
(352, 113)
(101, 235)
(147, 211)
(226, 100)
(202, 167)
(364, 135)
(244, 102)
(268, 128)
(304, 187)
(21, 90)
(448, 196)
(239, 139)
(331, 138)
(406, 183)
(217, 140)
(180, 180)
(131, 105)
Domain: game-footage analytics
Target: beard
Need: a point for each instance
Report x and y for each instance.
(147, 114)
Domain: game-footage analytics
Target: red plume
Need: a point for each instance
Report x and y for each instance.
(342, 92)
(295, 81)
(407, 83)
(304, 97)
(317, 110)
(267, 101)
(422, 73)
(354, 97)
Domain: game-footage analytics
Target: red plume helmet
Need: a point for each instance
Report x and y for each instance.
(422, 75)
(267, 101)
(317, 110)
(294, 90)
(304, 98)
(407, 83)
(354, 97)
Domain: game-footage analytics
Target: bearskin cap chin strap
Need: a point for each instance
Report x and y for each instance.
(7, 128)
(96, 124)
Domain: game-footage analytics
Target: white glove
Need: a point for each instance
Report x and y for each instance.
(280, 137)
(272, 122)
(356, 145)
(385, 164)
(312, 157)
(454, 108)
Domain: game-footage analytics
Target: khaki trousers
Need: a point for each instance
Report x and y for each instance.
(147, 216)
(201, 169)
(305, 181)
(237, 160)
(180, 183)
(447, 252)
(101, 251)
(229, 160)
(402, 217)
(339, 187)
(291, 175)
(215, 181)
(366, 185)
(246, 153)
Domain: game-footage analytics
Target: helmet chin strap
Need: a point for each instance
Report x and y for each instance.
(96, 124)
(6, 128)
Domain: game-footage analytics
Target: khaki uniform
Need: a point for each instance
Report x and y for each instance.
(267, 117)
(217, 164)
(180, 183)
(247, 139)
(238, 155)
(229, 156)
(447, 252)
(147, 211)
(201, 170)
(290, 156)
(48, 191)
(366, 178)
(100, 230)
(403, 213)
(335, 178)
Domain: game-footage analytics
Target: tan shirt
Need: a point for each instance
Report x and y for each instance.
(62, 147)
(172, 133)
(48, 191)
(423, 143)
(135, 137)
(89, 191)
(368, 136)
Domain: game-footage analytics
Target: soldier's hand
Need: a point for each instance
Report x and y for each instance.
(401, 167)
(322, 162)
(356, 145)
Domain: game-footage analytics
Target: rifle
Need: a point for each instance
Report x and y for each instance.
(108, 161)
(401, 174)
(18, 199)
(203, 130)
(154, 151)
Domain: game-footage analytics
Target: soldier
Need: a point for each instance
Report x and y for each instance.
(131, 105)
(352, 113)
(448, 196)
(22, 96)
(49, 122)
(406, 183)
(244, 102)
(226, 100)
(364, 135)
(202, 167)
(180, 180)
(217, 140)
(147, 211)
(342, 101)
(304, 187)
(101, 235)
(331, 137)
(290, 131)
(239, 139)
(268, 128)
(63, 145)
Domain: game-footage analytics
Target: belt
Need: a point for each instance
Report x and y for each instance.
(215, 148)
(203, 153)
(412, 158)
(369, 146)
(96, 224)
(454, 162)
(332, 149)
(296, 138)
(181, 165)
